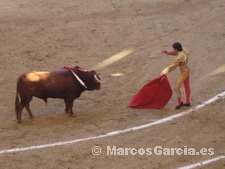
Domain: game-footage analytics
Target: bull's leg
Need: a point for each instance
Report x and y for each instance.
(28, 110)
(27, 106)
(66, 107)
(69, 105)
(19, 113)
(71, 108)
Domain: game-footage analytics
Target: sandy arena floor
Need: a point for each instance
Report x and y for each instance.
(47, 35)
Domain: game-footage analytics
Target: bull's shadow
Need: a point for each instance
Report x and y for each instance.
(53, 114)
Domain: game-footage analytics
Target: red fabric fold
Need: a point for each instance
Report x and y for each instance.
(155, 94)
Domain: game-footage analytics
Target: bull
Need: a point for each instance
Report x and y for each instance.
(66, 83)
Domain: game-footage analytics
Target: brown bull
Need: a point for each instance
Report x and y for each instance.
(67, 84)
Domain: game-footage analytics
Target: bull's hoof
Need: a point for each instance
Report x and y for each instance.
(19, 121)
(71, 115)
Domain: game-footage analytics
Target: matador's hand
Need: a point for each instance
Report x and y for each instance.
(161, 74)
(164, 51)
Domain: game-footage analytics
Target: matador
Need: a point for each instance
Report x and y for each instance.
(180, 61)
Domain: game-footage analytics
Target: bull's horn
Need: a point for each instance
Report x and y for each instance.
(97, 79)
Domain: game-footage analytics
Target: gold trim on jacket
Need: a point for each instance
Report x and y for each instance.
(181, 61)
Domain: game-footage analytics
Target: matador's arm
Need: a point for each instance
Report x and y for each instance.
(170, 68)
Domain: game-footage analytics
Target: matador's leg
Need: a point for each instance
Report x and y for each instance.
(177, 87)
(187, 90)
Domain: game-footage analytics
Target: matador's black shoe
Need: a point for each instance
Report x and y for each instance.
(186, 104)
(179, 106)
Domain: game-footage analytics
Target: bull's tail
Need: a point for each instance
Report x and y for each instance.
(17, 100)
(17, 103)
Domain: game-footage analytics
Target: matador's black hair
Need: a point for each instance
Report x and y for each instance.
(177, 46)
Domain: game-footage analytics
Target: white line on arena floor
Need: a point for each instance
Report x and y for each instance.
(113, 133)
(199, 164)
